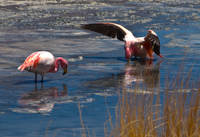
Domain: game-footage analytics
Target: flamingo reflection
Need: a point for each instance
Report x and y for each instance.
(144, 75)
(41, 100)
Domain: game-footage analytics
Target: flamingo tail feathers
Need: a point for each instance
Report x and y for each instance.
(31, 62)
(22, 67)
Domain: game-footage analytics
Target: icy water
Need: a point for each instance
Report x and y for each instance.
(97, 66)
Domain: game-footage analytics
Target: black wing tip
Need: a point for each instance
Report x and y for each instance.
(97, 23)
(83, 26)
(87, 26)
(105, 28)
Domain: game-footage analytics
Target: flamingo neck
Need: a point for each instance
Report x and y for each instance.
(129, 49)
(55, 67)
(127, 53)
(63, 62)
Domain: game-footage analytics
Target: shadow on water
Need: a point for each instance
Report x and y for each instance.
(144, 73)
(107, 58)
(39, 100)
(24, 82)
(143, 62)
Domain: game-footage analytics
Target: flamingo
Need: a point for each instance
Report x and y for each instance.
(138, 47)
(42, 62)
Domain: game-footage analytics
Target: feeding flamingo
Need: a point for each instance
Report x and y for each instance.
(138, 47)
(42, 62)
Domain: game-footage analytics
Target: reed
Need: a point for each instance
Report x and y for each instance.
(144, 111)
(174, 112)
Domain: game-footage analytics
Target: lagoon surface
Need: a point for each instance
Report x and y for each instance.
(97, 67)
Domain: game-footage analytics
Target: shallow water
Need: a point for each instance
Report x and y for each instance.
(97, 66)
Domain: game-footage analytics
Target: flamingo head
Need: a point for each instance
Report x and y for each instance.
(65, 70)
(64, 65)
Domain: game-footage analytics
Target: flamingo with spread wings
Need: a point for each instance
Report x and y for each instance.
(42, 62)
(138, 47)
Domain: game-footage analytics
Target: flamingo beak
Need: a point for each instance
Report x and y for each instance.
(160, 56)
(65, 70)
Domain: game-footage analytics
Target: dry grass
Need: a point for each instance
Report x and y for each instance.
(172, 113)
(145, 115)
(175, 112)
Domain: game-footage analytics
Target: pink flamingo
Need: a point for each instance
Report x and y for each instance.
(42, 62)
(138, 47)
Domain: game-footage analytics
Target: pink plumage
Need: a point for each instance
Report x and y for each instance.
(42, 62)
(138, 47)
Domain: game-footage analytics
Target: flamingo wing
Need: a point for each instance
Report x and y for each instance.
(31, 62)
(109, 29)
(154, 41)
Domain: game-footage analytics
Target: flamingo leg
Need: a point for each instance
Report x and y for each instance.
(35, 78)
(35, 87)
(42, 87)
(42, 80)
